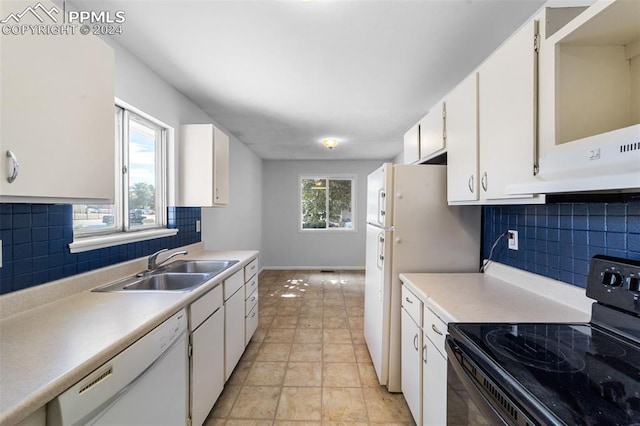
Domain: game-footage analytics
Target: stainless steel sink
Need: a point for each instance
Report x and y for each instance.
(199, 266)
(179, 276)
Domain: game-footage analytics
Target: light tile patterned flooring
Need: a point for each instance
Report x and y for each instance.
(308, 362)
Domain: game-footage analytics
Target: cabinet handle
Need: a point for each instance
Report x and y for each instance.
(16, 166)
(415, 342)
(217, 193)
(408, 300)
(484, 181)
(433, 327)
(253, 298)
(444, 123)
(471, 184)
(424, 353)
(254, 315)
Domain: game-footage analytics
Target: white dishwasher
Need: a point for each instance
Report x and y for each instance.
(146, 384)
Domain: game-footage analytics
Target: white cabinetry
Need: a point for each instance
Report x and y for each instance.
(206, 318)
(433, 131)
(411, 353)
(434, 370)
(412, 145)
(204, 166)
(234, 341)
(57, 114)
(507, 114)
(462, 141)
(251, 300)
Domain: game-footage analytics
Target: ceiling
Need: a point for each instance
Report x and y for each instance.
(282, 75)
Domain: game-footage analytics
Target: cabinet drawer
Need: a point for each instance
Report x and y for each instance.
(435, 329)
(205, 306)
(233, 284)
(251, 269)
(251, 324)
(412, 305)
(250, 287)
(251, 302)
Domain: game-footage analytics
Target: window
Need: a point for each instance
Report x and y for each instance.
(140, 181)
(327, 203)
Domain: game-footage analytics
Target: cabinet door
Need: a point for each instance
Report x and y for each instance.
(204, 166)
(434, 385)
(412, 145)
(207, 366)
(57, 115)
(220, 168)
(233, 331)
(251, 324)
(462, 141)
(411, 359)
(507, 114)
(432, 131)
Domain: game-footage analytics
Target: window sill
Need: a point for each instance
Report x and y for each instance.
(92, 243)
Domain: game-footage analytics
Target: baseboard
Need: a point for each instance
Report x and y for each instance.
(313, 268)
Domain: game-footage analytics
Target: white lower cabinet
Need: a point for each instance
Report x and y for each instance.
(434, 385)
(206, 366)
(233, 331)
(411, 352)
(412, 365)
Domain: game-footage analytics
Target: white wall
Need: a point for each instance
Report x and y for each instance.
(284, 245)
(237, 226)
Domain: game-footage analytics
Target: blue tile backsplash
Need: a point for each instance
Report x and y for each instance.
(558, 240)
(35, 244)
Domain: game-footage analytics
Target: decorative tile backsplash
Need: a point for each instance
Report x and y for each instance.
(558, 240)
(35, 244)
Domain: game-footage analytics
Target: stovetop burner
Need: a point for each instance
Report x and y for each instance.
(534, 350)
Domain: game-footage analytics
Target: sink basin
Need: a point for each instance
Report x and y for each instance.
(213, 267)
(179, 276)
(170, 282)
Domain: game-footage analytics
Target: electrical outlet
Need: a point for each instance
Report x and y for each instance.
(512, 238)
(197, 226)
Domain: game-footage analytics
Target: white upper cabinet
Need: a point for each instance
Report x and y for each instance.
(412, 145)
(507, 115)
(433, 132)
(462, 141)
(204, 166)
(57, 115)
(590, 102)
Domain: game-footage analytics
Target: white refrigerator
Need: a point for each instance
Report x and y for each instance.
(410, 228)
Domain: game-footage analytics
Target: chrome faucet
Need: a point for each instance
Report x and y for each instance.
(152, 261)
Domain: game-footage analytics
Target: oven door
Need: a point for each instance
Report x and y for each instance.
(466, 403)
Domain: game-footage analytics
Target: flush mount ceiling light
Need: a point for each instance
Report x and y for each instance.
(330, 143)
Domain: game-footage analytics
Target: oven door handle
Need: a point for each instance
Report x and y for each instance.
(454, 352)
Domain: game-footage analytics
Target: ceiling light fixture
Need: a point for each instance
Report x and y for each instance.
(330, 143)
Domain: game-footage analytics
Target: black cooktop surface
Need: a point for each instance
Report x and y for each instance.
(582, 374)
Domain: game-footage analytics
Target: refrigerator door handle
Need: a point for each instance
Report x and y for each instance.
(380, 257)
(381, 208)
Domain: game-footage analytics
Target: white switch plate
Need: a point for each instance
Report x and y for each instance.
(0, 253)
(197, 226)
(513, 240)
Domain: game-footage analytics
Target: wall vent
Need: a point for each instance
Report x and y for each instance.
(628, 147)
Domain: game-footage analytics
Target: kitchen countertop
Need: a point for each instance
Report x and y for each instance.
(475, 297)
(49, 347)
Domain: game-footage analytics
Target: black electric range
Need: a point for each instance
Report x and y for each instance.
(559, 374)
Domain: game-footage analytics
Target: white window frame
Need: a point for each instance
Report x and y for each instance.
(354, 190)
(122, 233)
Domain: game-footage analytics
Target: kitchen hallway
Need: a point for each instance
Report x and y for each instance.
(308, 362)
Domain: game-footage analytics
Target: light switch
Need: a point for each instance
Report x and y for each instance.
(197, 226)
(0, 253)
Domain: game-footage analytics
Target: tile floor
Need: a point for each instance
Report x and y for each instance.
(307, 362)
